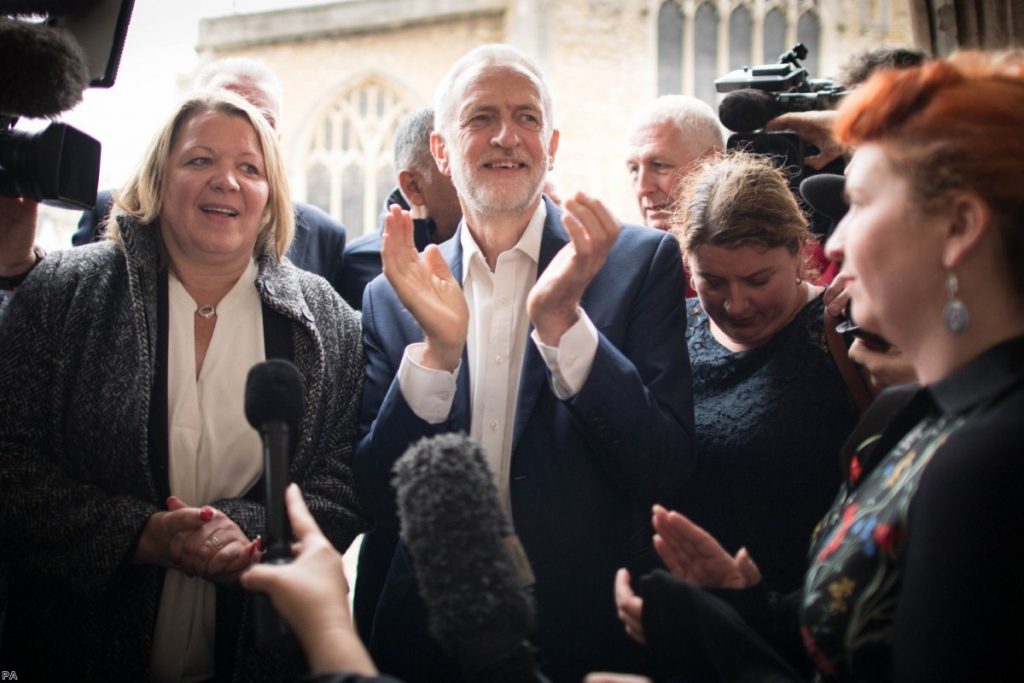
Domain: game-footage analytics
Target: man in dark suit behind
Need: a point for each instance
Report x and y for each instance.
(557, 340)
(319, 242)
(423, 190)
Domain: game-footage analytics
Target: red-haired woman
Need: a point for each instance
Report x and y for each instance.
(913, 574)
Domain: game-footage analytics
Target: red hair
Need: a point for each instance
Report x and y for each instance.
(954, 124)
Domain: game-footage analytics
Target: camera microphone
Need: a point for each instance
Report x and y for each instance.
(50, 52)
(470, 569)
(747, 110)
(44, 70)
(274, 400)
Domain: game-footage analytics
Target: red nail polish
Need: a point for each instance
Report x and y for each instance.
(168, 501)
(206, 514)
(259, 543)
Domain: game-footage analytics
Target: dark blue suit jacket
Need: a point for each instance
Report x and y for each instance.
(584, 472)
(362, 255)
(318, 245)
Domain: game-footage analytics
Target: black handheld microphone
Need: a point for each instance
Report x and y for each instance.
(470, 569)
(274, 397)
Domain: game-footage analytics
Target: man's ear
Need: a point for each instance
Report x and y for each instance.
(411, 184)
(440, 152)
(969, 220)
(552, 148)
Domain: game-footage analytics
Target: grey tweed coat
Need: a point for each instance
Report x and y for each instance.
(77, 366)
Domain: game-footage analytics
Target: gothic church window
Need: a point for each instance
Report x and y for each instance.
(809, 33)
(741, 35)
(670, 47)
(705, 58)
(774, 35)
(348, 157)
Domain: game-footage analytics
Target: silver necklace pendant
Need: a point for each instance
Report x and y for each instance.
(206, 311)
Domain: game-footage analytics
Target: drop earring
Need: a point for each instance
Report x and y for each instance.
(955, 312)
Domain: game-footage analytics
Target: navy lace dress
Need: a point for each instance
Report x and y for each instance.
(770, 423)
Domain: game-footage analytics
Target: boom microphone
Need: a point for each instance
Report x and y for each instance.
(274, 397)
(44, 70)
(468, 564)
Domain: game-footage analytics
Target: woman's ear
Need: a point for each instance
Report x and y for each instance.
(803, 258)
(969, 222)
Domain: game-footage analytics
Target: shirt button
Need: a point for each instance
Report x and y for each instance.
(503, 300)
(494, 425)
(499, 359)
(445, 396)
(570, 361)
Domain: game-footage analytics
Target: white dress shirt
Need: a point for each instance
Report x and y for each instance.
(495, 346)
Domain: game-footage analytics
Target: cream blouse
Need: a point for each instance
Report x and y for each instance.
(213, 453)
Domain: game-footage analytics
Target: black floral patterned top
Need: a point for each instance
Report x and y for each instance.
(912, 573)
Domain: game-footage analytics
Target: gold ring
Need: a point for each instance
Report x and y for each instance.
(215, 542)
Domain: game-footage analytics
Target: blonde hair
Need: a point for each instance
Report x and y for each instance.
(141, 198)
(738, 199)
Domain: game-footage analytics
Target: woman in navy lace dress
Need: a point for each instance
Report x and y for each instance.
(770, 404)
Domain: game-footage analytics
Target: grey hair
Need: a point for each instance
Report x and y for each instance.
(491, 55)
(693, 117)
(242, 71)
(412, 143)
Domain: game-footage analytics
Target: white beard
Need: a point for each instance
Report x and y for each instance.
(496, 198)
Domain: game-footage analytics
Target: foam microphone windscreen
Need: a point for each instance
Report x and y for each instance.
(747, 110)
(824, 193)
(274, 391)
(43, 71)
(457, 534)
(53, 8)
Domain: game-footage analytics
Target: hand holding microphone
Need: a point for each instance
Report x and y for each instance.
(311, 594)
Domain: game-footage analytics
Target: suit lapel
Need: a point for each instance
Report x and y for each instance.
(535, 371)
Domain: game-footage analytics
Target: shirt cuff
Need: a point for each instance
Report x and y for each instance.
(571, 360)
(428, 392)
